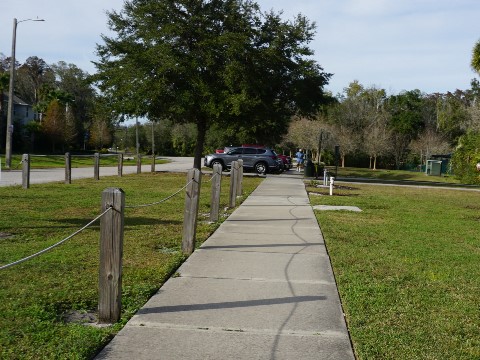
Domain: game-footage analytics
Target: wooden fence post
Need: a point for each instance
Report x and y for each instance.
(139, 164)
(215, 194)
(120, 165)
(26, 171)
(68, 168)
(153, 163)
(233, 184)
(111, 251)
(240, 178)
(192, 198)
(96, 166)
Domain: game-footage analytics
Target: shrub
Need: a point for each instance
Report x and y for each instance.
(466, 157)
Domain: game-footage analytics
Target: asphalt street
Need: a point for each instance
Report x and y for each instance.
(38, 176)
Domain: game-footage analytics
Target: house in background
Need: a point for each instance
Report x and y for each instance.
(22, 112)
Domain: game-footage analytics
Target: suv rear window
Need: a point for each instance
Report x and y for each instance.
(261, 151)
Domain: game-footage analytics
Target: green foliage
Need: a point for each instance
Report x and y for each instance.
(452, 114)
(406, 111)
(32, 76)
(466, 157)
(183, 139)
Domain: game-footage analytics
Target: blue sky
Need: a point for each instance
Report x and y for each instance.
(393, 44)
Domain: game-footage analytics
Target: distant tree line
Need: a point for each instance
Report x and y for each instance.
(69, 113)
(391, 131)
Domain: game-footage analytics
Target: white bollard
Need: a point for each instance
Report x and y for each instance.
(325, 177)
(332, 180)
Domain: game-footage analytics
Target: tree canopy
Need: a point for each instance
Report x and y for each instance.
(210, 62)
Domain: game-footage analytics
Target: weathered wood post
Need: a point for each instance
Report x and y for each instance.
(26, 171)
(240, 178)
(139, 164)
(96, 166)
(111, 251)
(215, 194)
(192, 198)
(233, 184)
(68, 168)
(153, 164)
(120, 165)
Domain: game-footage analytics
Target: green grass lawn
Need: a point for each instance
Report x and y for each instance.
(393, 175)
(55, 161)
(407, 268)
(35, 296)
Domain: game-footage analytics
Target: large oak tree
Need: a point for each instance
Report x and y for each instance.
(210, 62)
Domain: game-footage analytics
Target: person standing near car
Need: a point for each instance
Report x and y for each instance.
(300, 158)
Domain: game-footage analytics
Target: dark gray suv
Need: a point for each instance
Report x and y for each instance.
(260, 160)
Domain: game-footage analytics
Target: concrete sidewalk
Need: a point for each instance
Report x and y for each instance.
(261, 287)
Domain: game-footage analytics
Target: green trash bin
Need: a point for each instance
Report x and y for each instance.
(318, 170)
(309, 169)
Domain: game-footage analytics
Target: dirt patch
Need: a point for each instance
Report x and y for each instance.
(82, 317)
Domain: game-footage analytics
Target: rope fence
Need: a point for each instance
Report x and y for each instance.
(56, 244)
(112, 231)
(26, 159)
(159, 202)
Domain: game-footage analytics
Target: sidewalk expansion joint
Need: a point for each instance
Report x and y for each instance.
(285, 332)
(310, 282)
(320, 253)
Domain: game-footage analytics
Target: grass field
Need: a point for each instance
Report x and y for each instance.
(38, 296)
(407, 269)
(58, 161)
(393, 175)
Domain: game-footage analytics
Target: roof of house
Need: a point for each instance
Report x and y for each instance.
(16, 100)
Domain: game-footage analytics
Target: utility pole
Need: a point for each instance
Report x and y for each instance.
(8, 140)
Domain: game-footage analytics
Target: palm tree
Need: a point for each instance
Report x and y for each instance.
(476, 57)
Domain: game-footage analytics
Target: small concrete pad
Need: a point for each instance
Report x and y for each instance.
(330, 207)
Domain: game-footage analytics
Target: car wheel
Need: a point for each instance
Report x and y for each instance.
(218, 162)
(261, 168)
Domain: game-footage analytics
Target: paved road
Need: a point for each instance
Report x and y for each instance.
(261, 287)
(37, 176)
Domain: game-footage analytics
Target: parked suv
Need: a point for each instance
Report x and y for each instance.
(260, 160)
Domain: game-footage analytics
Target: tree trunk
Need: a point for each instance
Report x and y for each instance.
(201, 130)
(374, 163)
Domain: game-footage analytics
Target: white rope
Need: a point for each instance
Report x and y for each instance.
(57, 244)
(161, 201)
(213, 177)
